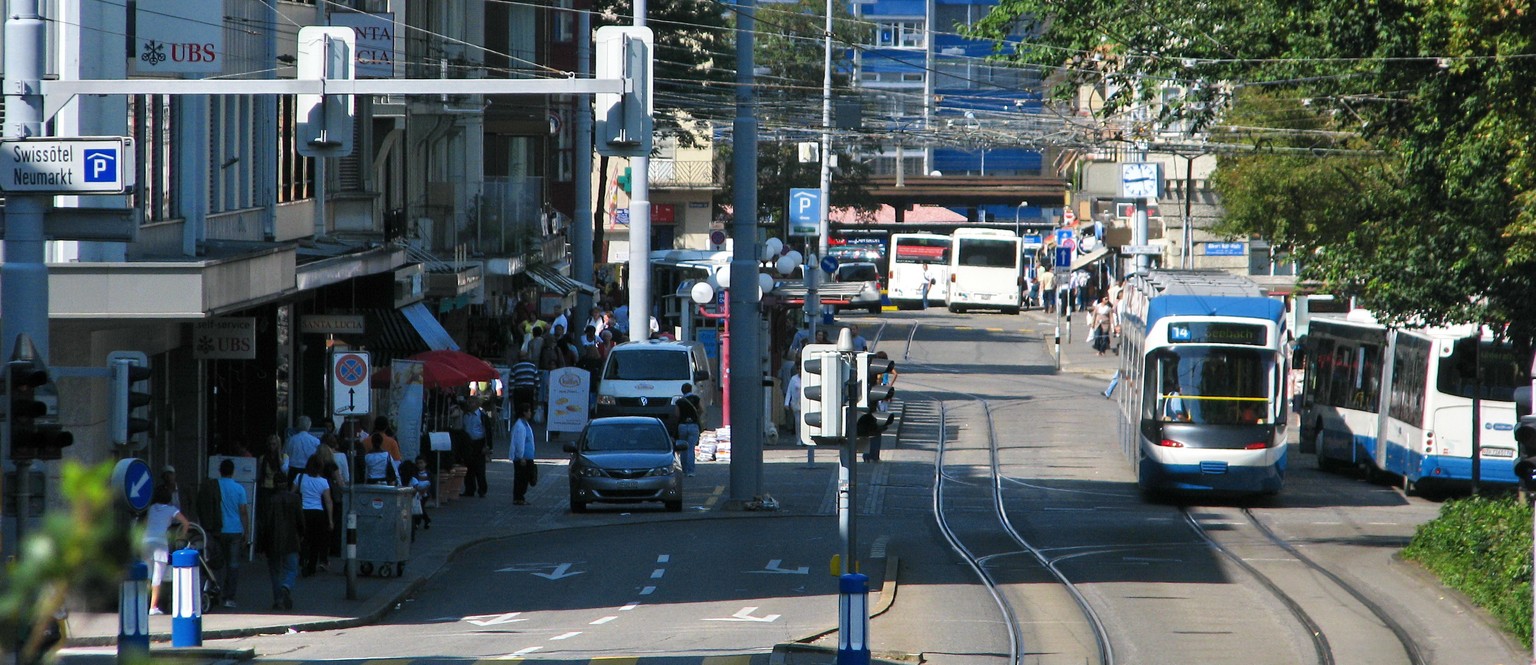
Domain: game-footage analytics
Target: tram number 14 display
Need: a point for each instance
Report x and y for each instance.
(1209, 332)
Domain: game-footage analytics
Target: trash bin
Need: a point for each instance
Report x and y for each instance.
(383, 529)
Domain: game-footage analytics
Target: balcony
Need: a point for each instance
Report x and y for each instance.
(683, 174)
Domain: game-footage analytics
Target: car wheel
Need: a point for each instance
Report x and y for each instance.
(674, 506)
(578, 507)
(365, 569)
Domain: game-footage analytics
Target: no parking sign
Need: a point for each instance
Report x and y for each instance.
(349, 384)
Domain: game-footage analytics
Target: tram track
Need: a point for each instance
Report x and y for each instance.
(1253, 546)
(960, 494)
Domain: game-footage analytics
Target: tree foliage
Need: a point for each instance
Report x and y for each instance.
(1391, 145)
(790, 46)
(694, 58)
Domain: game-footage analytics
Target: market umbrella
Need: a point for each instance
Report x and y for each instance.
(453, 368)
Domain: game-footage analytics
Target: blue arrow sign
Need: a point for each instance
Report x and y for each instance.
(1063, 257)
(829, 264)
(135, 483)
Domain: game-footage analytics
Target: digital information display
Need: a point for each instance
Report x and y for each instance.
(1210, 332)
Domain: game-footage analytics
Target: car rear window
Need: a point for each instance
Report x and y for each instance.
(627, 438)
(648, 365)
(864, 273)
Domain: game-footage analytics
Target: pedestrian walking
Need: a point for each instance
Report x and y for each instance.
(285, 520)
(1048, 291)
(477, 447)
(926, 285)
(422, 483)
(1103, 316)
(157, 523)
(690, 416)
(315, 500)
(301, 444)
(522, 454)
(235, 513)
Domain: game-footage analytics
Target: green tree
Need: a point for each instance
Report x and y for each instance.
(694, 59)
(1427, 210)
(790, 45)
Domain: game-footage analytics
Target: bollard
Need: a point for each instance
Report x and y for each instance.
(133, 615)
(351, 553)
(853, 619)
(186, 598)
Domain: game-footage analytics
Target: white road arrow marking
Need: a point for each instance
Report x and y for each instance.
(774, 568)
(561, 572)
(494, 619)
(746, 615)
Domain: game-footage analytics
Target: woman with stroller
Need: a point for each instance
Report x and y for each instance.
(157, 522)
(315, 499)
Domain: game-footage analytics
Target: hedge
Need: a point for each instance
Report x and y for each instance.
(1481, 546)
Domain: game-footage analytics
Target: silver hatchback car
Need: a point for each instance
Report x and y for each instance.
(625, 459)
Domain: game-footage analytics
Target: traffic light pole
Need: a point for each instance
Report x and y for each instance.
(847, 481)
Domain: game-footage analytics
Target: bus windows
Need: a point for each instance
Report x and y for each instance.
(1212, 386)
(1501, 373)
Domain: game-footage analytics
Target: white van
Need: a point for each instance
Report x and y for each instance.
(641, 378)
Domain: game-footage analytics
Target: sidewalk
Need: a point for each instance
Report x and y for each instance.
(1077, 355)
(320, 601)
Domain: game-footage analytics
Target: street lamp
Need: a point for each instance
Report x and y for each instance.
(1016, 212)
(703, 293)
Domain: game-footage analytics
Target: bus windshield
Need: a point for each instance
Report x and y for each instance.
(1210, 385)
(987, 253)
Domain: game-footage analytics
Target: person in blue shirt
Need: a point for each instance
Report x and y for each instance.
(235, 510)
(522, 454)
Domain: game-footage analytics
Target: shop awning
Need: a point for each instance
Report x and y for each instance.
(553, 280)
(426, 325)
(1084, 260)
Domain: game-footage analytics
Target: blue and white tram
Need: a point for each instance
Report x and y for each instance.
(1204, 362)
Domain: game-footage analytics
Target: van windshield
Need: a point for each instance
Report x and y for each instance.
(648, 365)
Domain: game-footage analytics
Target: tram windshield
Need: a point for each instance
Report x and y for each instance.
(1210, 385)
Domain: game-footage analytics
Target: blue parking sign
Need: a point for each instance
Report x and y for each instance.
(804, 211)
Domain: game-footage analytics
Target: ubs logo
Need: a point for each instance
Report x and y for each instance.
(644, 401)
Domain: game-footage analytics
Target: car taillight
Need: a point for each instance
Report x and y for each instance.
(1170, 443)
(1257, 445)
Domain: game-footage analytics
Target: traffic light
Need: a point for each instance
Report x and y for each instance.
(130, 393)
(624, 180)
(33, 416)
(1525, 440)
(873, 389)
(822, 380)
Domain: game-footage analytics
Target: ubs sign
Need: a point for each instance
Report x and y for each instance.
(176, 36)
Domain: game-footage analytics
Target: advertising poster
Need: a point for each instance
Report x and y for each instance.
(406, 397)
(568, 396)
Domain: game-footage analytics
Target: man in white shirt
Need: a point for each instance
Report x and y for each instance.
(792, 404)
(300, 447)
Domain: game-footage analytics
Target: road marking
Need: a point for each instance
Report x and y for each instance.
(494, 619)
(519, 653)
(648, 590)
(746, 615)
(664, 558)
(656, 574)
(963, 328)
(773, 567)
(629, 606)
(994, 330)
(566, 636)
(561, 572)
(603, 620)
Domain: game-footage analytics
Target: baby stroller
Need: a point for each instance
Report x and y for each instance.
(197, 539)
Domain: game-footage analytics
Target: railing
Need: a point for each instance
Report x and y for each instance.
(680, 174)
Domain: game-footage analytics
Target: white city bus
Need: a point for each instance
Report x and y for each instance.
(1398, 401)
(915, 259)
(986, 270)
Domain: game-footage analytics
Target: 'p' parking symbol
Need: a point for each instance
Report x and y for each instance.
(101, 165)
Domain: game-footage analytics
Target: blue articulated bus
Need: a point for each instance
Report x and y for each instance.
(1204, 367)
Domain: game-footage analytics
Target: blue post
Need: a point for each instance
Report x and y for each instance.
(133, 615)
(187, 599)
(853, 619)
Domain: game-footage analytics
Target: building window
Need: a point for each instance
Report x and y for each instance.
(153, 120)
(295, 176)
(901, 34)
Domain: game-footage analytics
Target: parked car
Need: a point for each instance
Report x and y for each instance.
(867, 274)
(625, 459)
(640, 379)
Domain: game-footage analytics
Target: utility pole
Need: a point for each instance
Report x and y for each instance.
(24, 275)
(640, 226)
(581, 169)
(813, 275)
(746, 379)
